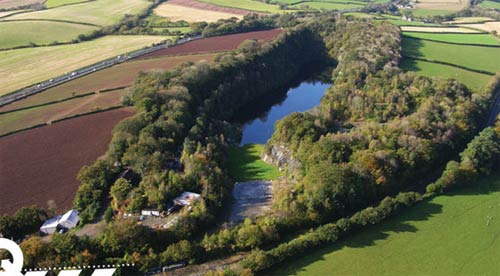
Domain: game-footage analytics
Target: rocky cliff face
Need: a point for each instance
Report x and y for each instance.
(281, 156)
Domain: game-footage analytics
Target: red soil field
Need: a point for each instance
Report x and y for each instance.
(214, 44)
(41, 164)
(207, 6)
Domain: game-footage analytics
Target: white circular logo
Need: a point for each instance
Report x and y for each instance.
(15, 267)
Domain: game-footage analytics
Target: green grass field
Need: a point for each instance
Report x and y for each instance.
(56, 3)
(330, 6)
(245, 164)
(246, 5)
(490, 4)
(472, 57)
(99, 12)
(484, 39)
(23, 67)
(430, 12)
(454, 234)
(22, 33)
(471, 79)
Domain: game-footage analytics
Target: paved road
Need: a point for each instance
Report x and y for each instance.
(39, 87)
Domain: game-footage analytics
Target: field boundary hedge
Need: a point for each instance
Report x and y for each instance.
(448, 42)
(63, 100)
(59, 120)
(54, 20)
(450, 64)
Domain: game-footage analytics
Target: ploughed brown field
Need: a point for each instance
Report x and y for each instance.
(207, 6)
(214, 44)
(41, 164)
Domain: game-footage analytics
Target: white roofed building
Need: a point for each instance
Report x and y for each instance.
(67, 221)
(50, 225)
(70, 219)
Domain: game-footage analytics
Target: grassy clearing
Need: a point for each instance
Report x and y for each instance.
(454, 234)
(177, 13)
(117, 76)
(245, 164)
(23, 119)
(472, 57)
(484, 39)
(23, 67)
(472, 80)
(22, 33)
(246, 5)
(100, 12)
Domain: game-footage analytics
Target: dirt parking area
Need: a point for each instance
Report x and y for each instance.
(251, 199)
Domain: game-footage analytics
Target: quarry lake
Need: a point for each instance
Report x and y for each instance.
(258, 118)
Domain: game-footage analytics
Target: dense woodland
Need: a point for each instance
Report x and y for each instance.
(357, 157)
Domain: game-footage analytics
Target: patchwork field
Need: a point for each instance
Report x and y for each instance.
(208, 7)
(462, 20)
(120, 75)
(248, 5)
(471, 79)
(23, 67)
(437, 29)
(23, 119)
(454, 234)
(37, 170)
(431, 12)
(57, 3)
(471, 57)
(7, 13)
(215, 44)
(176, 12)
(23, 33)
(245, 164)
(99, 12)
(340, 5)
(483, 39)
(446, 5)
(486, 26)
(9, 4)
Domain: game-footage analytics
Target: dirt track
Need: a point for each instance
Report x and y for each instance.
(207, 6)
(41, 164)
(215, 44)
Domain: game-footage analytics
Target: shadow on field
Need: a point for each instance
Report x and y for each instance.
(412, 47)
(366, 237)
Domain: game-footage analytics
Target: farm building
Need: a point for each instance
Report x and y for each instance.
(151, 213)
(67, 221)
(186, 199)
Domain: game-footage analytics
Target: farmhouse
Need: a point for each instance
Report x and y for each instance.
(186, 199)
(67, 221)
